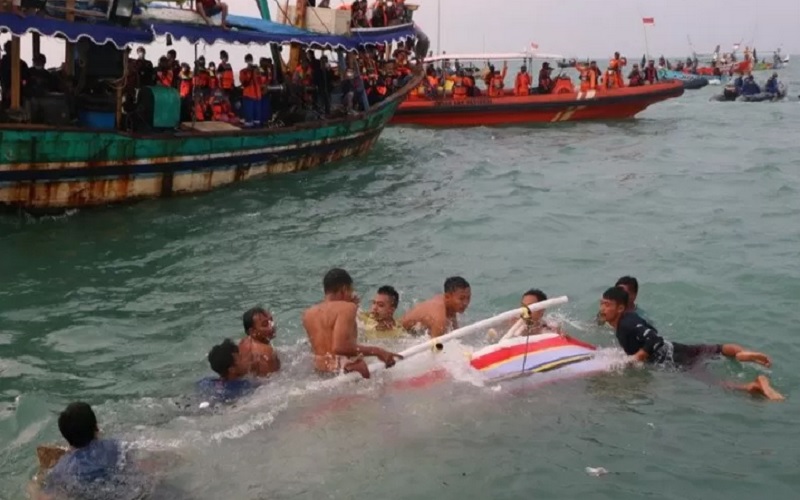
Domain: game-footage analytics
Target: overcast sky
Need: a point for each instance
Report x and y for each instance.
(573, 28)
(597, 28)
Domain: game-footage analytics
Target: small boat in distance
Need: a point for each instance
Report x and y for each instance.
(566, 102)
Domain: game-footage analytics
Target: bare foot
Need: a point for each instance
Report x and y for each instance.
(762, 382)
(754, 357)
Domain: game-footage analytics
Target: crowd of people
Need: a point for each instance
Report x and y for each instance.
(248, 96)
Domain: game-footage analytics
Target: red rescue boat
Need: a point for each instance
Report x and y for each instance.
(565, 103)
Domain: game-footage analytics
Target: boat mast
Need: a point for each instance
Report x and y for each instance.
(438, 27)
(299, 22)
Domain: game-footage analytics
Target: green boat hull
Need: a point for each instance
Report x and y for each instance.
(49, 170)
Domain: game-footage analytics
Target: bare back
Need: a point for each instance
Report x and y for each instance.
(260, 357)
(330, 326)
(430, 315)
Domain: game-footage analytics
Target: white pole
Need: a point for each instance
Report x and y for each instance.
(457, 333)
(438, 27)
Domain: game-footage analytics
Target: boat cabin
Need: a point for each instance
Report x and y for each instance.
(104, 84)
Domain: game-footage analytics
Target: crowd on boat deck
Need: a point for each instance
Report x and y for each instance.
(461, 81)
(249, 95)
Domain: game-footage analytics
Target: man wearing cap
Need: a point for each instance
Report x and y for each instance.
(545, 82)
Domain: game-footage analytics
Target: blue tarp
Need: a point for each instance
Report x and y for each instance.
(258, 31)
(249, 31)
(72, 31)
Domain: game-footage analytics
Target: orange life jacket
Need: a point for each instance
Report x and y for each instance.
(302, 75)
(459, 89)
(225, 73)
(522, 84)
(213, 83)
(251, 86)
(199, 111)
(165, 78)
(185, 87)
(496, 85)
(201, 79)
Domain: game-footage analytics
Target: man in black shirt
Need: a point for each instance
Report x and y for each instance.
(640, 340)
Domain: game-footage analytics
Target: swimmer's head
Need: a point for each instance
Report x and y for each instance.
(338, 284)
(613, 304)
(630, 285)
(457, 294)
(384, 304)
(224, 360)
(533, 296)
(78, 424)
(259, 324)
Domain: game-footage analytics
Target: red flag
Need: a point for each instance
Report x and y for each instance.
(534, 45)
(649, 20)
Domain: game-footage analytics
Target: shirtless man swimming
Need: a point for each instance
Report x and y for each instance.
(438, 315)
(255, 350)
(641, 341)
(332, 329)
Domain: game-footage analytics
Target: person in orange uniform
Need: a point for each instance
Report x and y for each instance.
(459, 87)
(201, 76)
(221, 109)
(213, 81)
(302, 79)
(496, 87)
(614, 74)
(164, 74)
(590, 76)
(225, 73)
(522, 84)
(185, 84)
(250, 80)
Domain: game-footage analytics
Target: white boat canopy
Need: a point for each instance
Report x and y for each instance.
(501, 56)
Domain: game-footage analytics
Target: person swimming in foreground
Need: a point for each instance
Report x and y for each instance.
(642, 342)
(438, 315)
(226, 361)
(333, 331)
(379, 322)
(630, 285)
(255, 351)
(92, 467)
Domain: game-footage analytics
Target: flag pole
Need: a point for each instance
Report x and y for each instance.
(646, 43)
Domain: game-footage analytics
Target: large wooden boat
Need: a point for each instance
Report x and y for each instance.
(565, 103)
(48, 168)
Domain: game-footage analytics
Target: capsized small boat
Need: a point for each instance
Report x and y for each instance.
(690, 81)
(540, 358)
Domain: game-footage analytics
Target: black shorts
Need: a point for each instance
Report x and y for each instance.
(689, 354)
(213, 11)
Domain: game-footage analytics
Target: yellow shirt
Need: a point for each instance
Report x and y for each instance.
(369, 328)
